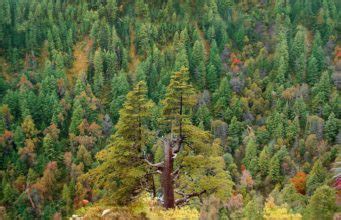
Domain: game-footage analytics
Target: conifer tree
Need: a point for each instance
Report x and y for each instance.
(98, 74)
(119, 89)
(275, 168)
(321, 204)
(192, 144)
(299, 54)
(317, 52)
(316, 177)
(331, 128)
(264, 161)
(198, 69)
(250, 160)
(122, 170)
(76, 118)
(212, 78)
(312, 71)
(221, 97)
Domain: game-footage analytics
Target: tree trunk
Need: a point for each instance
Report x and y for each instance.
(167, 178)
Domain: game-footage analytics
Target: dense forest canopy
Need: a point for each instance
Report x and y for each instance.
(198, 109)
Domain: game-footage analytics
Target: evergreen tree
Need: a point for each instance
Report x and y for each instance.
(331, 128)
(318, 53)
(275, 168)
(121, 161)
(299, 54)
(312, 71)
(316, 177)
(234, 131)
(321, 204)
(176, 112)
(76, 118)
(221, 98)
(250, 160)
(198, 69)
(119, 89)
(212, 78)
(264, 161)
(98, 74)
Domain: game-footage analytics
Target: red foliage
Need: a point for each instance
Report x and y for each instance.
(338, 54)
(337, 183)
(235, 61)
(299, 182)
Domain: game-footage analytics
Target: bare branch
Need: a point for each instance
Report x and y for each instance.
(186, 198)
(158, 165)
(176, 173)
(154, 172)
(178, 143)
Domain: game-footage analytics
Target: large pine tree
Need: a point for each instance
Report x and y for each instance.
(122, 170)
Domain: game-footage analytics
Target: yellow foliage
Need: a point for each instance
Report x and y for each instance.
(149, 206)
(144, 207)
(274, 212)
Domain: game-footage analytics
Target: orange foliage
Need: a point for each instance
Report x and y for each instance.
(46, 183)
(299, 182)
(81, 63)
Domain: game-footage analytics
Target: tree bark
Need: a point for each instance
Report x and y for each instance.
(167, 177)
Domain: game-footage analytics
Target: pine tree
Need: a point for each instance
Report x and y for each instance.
(250, 159)
(103, 34)
(316, 177)
(299, 54)
(264, 161)
(198, 69)
(321, 204)
(275, 168)
(66, 196)
(212, 78)
(234, 131)
(49, 147)
(221, 97)
(312, 71)
(181, 60)
(176, 112)
(122, 169)
(119, 89)
(98, 74)
(76, 118)
(214, 58)
(331, 128)
(178, 101)
(318, 53)
(281, 59)
(322, 87)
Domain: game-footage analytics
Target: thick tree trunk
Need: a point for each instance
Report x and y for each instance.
(167, 177)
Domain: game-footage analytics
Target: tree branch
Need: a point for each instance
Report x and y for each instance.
(178, 143)
(186, 198)
(158, 165)
(176, 173)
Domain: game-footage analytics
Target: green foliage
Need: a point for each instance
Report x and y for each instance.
(321, 204)
(122, 170)
(331, 127)
(250, 87)
(317, 177)
(98, 74)
(250, 159)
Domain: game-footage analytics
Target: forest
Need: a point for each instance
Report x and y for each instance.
(177, 109)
